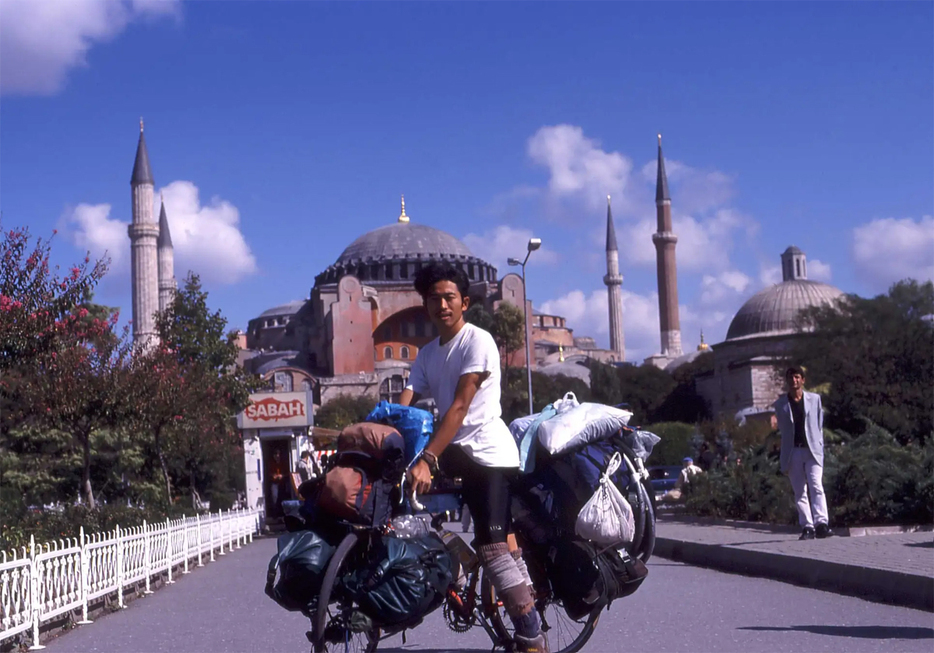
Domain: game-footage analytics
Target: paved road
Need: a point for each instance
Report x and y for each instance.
(222, 609)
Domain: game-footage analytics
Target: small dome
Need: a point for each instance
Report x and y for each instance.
(285, 309)
(403, 241)
(773, 311)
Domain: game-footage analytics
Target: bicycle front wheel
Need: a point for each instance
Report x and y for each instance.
(565, 634)
(337, 624)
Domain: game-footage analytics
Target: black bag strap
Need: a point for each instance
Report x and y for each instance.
(271, 577)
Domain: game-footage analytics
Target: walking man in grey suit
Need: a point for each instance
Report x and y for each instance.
(800, 420)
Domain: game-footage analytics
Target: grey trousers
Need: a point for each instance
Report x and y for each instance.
(807, 479)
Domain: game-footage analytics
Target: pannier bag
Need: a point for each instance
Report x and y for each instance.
(583, 578)
(381, 442)
(294, 576)
(576, 424)
(414, 424)
(406, 580)
(607, 519)
(369, 462)
(566, 482)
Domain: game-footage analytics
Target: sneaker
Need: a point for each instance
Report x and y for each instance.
(807, 533)
(823, 530)
(537, 644)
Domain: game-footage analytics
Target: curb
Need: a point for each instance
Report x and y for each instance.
(898, 588)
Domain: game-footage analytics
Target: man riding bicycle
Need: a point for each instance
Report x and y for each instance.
(460, 370)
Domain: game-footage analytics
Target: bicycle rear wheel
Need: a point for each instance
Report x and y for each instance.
(565, 634)
(334, 626)
(647, 546)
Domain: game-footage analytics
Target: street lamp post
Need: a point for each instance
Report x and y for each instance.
(534, 243)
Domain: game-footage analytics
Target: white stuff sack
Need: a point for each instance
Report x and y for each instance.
(576, 424)
(606, 519)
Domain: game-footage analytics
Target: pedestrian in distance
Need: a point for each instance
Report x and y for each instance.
(461, 370)
(800, 419)
(308, 468)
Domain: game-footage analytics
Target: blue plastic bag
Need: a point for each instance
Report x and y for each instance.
(415, 425)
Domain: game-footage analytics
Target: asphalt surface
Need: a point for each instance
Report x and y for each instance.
(221, 608)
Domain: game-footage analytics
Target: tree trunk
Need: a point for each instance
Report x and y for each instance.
(86, 491)
(165, 468)
(195, 497)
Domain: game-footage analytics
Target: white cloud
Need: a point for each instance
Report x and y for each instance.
(578, 169)
(723, 288)
(888, 250)
(207, 239)
(769, 275)
(702, 244)
(93, 231)
(819, 271)
(588, 315)
(41, 40)
(697, 190)
(504, 242)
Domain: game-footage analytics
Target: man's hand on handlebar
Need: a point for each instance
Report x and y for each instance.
(420, 477)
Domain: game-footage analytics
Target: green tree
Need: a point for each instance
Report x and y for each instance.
(343, 410)
(876, 357)
(480, 317)
(188, 391)
(605, 383)
(34, 300)
(681, 402)
(508, 329)
(79, 389)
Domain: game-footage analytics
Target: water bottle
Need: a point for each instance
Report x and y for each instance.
(463, 555)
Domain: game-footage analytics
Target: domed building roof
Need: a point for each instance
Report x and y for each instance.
(285, 309)
(392, 254)
(773, 311)
(403, 240)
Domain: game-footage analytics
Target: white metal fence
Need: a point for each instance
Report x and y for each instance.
(48, 580)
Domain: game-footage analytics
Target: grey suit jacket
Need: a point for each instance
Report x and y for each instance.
(813, 427)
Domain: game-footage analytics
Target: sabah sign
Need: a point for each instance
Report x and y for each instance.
(276, 410)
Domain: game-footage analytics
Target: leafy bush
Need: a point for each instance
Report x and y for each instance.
(676, 442)
(344, 410)
(754, 490)
(18, 523)
(872, 479)
(869, 480)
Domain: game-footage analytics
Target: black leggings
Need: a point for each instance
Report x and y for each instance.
(486, 493)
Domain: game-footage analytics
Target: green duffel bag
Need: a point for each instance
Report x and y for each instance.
(405, 580)
(294, 577)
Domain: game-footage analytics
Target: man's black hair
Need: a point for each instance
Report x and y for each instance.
(440, 271)
(795, 369)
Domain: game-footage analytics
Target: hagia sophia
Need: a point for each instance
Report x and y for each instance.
(362, 325)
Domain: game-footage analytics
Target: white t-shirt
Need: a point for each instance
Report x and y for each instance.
(436, 371)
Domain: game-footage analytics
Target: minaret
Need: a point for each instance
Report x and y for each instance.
(144, 236)
(613, 281)
(665, 241)
(166, 257)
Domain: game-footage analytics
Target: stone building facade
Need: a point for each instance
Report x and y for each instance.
(746, 379)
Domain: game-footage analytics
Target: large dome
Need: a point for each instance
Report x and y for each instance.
(403, 240)
(773, 311)
(391, 255)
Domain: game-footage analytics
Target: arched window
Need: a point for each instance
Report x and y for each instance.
(391, 389)
(387, 353)
(306, 384)
(405, 353)
(283, 382)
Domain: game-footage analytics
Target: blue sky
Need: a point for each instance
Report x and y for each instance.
(280, 131)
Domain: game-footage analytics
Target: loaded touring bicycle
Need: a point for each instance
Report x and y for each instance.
(364, 562)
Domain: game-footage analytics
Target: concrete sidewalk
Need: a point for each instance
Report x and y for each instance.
(892, 568)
